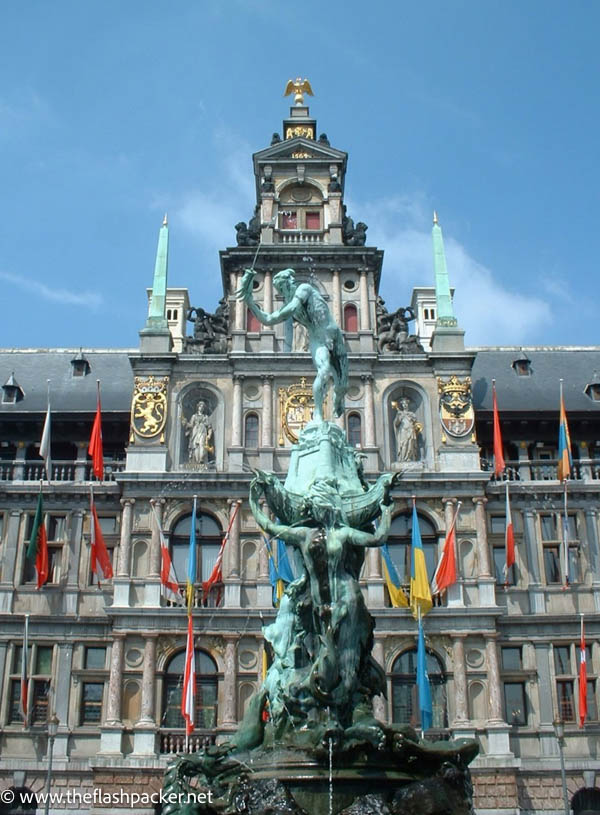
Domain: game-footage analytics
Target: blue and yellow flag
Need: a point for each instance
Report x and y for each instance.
(394, 586)
(191, 572)
(425, 706)
(420, 594)
(283, 564)
(274, 578)
(565, 459)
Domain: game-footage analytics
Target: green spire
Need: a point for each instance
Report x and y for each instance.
(445, 312)
(157, 319)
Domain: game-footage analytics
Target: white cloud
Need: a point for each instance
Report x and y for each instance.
(210, 215)
(490, 312)
(88, 299)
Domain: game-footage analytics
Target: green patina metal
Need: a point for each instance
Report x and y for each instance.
(157, 319)
(445, 311)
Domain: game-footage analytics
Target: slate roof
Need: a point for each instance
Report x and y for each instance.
(70, 394)
(578, 367)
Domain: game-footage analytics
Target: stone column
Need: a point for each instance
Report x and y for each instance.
(455, 593)
(493, 678)
(61, 698)
(481, 530)
(144, 737)
(365, 316)
(267, 412)
(336, 297)
(268, 291)
(461, 714)
(497, 729)
(367, 380)
(236, 411)
(229, 719)
(537, 599)
(124, 567)
(112, 729)
(115, 681)
(263, 586)
(155, 556)
(232, 551)
(148, 680)
(375, 592)
(486, 581)
(380, 706)
(240, 311)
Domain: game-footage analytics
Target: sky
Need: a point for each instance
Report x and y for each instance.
(113, 113)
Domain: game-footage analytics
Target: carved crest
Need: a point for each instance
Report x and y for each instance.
(456, 406)
(296, 407)
(149, 407)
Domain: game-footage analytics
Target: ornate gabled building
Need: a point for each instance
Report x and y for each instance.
(207, 398)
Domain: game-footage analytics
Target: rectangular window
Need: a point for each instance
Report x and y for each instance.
(95, 658)
(14, 702)
(91, 702)
(108, 524)
(313, 220)
(56, 528)
(592, 707)
(289, 220)
(498, 524)
(562, 659)
(499, 564)
(39, 701)
(512, 659)
(515, 703)
(552, 564)
(566, 707)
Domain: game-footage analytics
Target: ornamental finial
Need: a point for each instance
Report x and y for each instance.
(298, 87)
(435, 217)
(165, 222)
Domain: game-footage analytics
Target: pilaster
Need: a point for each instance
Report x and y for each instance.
(486, 582)
(111, 731)
(145, 730)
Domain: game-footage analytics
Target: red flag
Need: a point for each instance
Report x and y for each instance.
(582, 679)
(188, 696)
(38, 544)
(24, 707)
(499, 465)
(445, 574)
(169, 585)
(95, 448)
(509, 539)
(216, 576)
(101, 565)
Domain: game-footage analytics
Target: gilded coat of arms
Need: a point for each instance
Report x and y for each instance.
(296, 406)
(149, 407)
(456, 406)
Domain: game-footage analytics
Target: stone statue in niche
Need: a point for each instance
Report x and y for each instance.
(406, 430)
(201, 438)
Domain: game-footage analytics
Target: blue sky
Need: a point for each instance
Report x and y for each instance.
(112, 113)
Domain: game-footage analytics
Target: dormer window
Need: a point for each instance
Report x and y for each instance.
(593, 388)
(79, 365)
(12, 392)
(522, 365)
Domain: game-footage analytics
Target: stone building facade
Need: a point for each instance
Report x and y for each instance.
(210, 396)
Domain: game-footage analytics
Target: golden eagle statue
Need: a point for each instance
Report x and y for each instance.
(298, 87)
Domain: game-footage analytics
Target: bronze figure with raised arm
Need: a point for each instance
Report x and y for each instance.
(307, 306)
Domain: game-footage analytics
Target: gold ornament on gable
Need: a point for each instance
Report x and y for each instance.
(149, 408)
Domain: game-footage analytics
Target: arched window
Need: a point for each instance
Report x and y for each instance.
(399, 545)
(354, 430)
(251, 430)
(208, 542)
(206, 692)
(252, 323)
(350, 318)
(405, 695)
